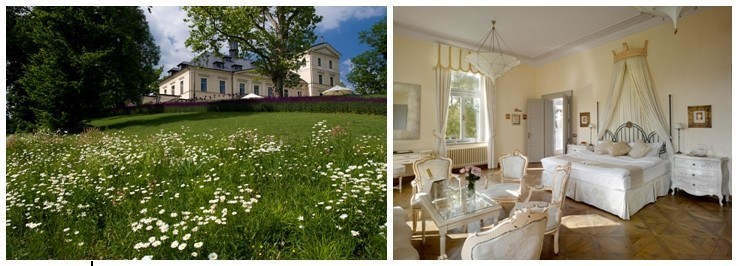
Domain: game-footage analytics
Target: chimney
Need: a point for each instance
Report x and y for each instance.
(233, 50)
(322, 41)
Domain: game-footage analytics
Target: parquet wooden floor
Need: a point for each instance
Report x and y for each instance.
(682, 227)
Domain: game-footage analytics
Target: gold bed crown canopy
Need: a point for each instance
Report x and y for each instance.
(630, 52)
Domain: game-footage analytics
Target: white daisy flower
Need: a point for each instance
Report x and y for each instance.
(194, 254)
(355, 233)
(182, 246)
(147, 257)
(343, 216)
(213, 256)
(186, 237)
(174, 244)
(198, 244)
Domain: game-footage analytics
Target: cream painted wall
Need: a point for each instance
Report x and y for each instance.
(413, 63)
(693, 65)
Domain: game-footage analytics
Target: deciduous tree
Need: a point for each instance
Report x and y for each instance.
(276, 38)
(369, 72)
(87, 59)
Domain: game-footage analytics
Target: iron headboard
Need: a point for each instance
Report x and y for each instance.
(630, 132)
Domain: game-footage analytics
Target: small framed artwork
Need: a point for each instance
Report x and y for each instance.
(584, 119)
(524, 116)
(507, 116)
(516, 119)
(699, 116)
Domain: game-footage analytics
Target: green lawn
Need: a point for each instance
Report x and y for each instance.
(280, 124)
(200, 186)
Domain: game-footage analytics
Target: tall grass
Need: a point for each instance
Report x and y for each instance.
(184, 195)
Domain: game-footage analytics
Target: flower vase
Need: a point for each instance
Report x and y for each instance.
(470, 188)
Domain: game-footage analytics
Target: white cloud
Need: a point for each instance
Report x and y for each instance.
(170, 32)
(333, 16)
(347, 67)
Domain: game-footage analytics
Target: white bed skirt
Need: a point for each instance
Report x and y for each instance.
(618, 202)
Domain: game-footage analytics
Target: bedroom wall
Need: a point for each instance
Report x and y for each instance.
(693, 65)
(413, 63)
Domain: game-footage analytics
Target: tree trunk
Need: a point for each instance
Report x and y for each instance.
(279, 83)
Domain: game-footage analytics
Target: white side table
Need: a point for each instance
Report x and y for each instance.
(576, 148)
(701, 176)
(400, 160)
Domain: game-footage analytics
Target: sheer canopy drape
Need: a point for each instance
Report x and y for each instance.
(634, 98)
(443, 82)
(490, 110)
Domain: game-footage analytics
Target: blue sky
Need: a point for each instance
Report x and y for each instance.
(340, 28)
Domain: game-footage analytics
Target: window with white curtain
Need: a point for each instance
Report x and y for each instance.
(465, 123)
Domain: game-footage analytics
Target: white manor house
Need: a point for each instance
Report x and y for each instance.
(212, 78)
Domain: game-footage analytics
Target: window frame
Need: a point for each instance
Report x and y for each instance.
(481, 122)
(222, 86)
(204, 84)
(256, 89)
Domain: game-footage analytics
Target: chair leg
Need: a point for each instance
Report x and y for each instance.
(423, 231)
(556, 242)
(414, 215)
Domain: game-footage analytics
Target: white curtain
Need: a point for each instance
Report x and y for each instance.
(634, 98)
(443, 82)
(490, 106)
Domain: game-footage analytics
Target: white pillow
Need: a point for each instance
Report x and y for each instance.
(639, 149)
(619, 149)
(602, 148)
(654, 152)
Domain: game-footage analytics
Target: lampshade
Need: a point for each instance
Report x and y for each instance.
(672, 12)
(679, 125)
(591, 125)
(490, 62)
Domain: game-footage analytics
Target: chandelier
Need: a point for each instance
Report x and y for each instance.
(671, 12)
(492, 63)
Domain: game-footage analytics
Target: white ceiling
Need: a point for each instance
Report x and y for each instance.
(536, 35)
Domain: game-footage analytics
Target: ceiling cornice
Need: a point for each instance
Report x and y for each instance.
(635, 24)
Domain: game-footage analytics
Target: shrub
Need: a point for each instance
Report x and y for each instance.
(323, 104)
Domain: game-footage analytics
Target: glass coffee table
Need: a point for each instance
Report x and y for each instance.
(456, 207)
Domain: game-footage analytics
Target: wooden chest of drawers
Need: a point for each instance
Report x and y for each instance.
(701, 176)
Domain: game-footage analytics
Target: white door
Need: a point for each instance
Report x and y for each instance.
(556, 122)
(535, 128)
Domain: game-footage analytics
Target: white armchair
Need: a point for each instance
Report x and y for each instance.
(512, 172)
(429, 170)
(518, 237)
(555, 205)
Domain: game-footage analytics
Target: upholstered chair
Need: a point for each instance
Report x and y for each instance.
(430, 171)
(555, 205)
(518, 237)
(512, 172)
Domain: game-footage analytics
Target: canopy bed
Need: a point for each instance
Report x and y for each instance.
(619, 184)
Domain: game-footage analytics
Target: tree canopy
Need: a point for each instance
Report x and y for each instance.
(76, 61)
(369, 72)
(275, 38)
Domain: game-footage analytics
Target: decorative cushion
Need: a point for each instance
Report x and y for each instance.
(602, 148)
(639, 149)
(654, 152)
(619, 149)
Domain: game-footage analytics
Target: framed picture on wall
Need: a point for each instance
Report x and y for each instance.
(584, 119)
(699, 116)
(516, 119)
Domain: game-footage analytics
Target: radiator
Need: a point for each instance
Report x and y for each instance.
(468, 156)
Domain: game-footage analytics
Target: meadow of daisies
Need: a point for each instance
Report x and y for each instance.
(201, 189)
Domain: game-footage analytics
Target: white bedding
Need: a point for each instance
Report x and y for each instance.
(597, 180)
(588, 166)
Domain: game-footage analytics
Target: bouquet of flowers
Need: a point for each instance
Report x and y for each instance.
(473, 174)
